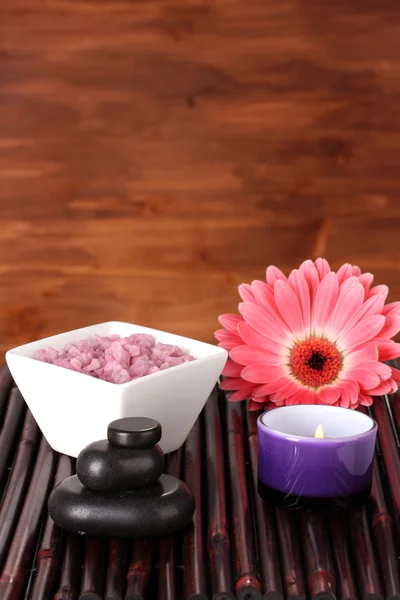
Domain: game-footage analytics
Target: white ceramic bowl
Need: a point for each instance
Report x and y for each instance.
(74, 409)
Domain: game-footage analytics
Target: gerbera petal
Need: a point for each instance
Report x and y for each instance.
(256, 404)
(234, 383)
(243, 394)
(245, 292)
(323, 267)
(389, 350)
(262, 373)
(383, 388)
(288, 305)
(366, 279)
(362, 355)
(310, 273)
(232, 369)
(365, 400)
(344, 400)
(273, 275)
(345, 308)
(364, 331)
(325, 301)
(230, 322)
(372, 306)
(344, 272)
(227, 339)
(270, 388)
(395, 374)
(300, 288)
(383, 371)
(262, 293)
(356, 271)
(378, 289)
(346, 285)
(328, 395)
(248, 355)
(253, 338)
(391, 326)
(304, 396)
(263, 322)
(284, 393)
(393, 308)
(366, 379)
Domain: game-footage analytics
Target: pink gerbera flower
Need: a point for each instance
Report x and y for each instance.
(316, 337)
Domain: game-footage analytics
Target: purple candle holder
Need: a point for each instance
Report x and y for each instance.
(298, 470)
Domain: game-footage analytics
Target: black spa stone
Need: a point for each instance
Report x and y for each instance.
(153, 511)
(134, 432)
(105, 468)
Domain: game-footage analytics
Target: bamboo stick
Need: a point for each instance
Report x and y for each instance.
(390, 453)
(195, 585)
(218, 538)
(139, 569)
(366, 566)
(268, 549)
(5, 387)
(71, 568)
(247, 581)
(13, 419)
(166, 546)
(94, 568)
(49, 557)
(116, 570)
(347, 588)
(13, 577)
(292, 564)
(18, 483)
(321, 576)
(384, 532)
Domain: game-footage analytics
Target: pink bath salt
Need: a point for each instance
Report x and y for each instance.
(76, 364)
(116, 359)
(139, 369)
(133, 349)
(172, 361)
(108, 368)
(120, 375)
(94, 366)
(42, 356)
(85, 346)
(51, 353)
(143, 340)
(119, 353)
(65, 363)
(72, 350)
(167, 349)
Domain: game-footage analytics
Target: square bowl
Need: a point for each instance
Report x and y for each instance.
(73, 409)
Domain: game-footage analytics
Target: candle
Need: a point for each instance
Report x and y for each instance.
(318, 457)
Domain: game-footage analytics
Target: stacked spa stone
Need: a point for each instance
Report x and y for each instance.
(119, 489)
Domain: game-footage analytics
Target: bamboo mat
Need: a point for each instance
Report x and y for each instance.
(236, 547)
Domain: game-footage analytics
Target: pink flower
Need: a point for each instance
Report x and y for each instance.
(316, 337)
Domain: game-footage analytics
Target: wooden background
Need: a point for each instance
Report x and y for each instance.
(154, 154)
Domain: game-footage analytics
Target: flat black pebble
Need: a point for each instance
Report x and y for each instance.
(134, 432)
(154, 511)
(105, 468)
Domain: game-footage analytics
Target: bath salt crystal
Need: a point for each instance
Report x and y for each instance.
(114, 358)
(94, 365)
(52, 354)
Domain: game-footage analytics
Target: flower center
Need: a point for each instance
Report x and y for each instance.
(315, 362)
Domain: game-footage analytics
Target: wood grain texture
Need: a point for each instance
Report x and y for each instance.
(154, 155)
